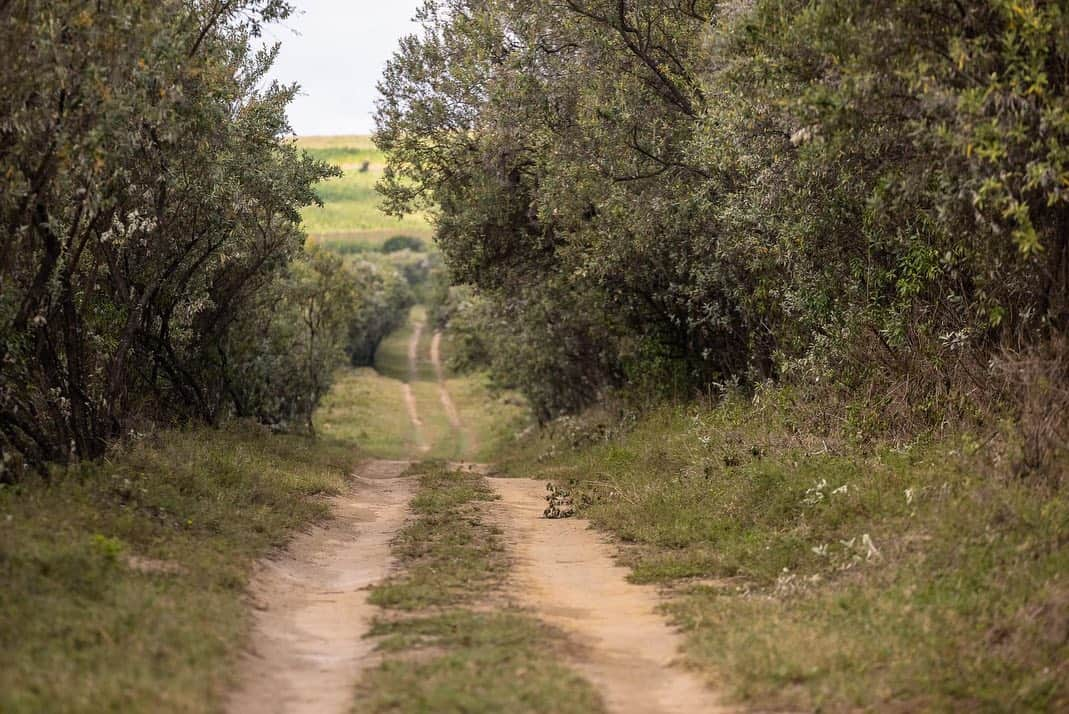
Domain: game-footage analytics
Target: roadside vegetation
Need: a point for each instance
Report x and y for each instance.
(865, 199)
(449, 640)
(148, 218)
(124, 580)
(812, 573)
(165, 339)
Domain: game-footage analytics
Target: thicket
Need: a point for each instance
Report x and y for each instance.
(402, 242)
(684, 193)
(387, 294)
(152, 263)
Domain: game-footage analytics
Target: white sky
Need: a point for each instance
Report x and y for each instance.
(336, 50)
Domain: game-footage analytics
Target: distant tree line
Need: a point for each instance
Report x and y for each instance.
(152, 267)
(679, 193)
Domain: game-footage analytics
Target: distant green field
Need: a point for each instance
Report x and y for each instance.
(350, 219)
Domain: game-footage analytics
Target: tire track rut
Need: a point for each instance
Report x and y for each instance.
(469, 442)
(307, 647)
(566, 574)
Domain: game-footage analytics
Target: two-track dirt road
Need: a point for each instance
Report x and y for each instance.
(565, 573)
(406, 389)
(308, 646)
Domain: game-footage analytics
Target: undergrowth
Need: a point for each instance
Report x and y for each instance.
(818, 574)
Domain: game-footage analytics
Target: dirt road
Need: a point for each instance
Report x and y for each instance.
(406, 389)
(565, 573)
(307, 647)
(470, 442)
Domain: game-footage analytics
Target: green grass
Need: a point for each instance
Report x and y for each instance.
(452, 659)
(350, 215)
(369, 240)
(124, 581)
(961, 602)
(448, 555)
(391, 359)
(490, 420)
(445, 441)
(365, 408)
(392, 363)
(481, 662)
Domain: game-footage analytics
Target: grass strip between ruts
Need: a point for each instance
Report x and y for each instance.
(461, 653)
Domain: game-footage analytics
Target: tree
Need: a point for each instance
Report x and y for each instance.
(869, 192)
(146, 199)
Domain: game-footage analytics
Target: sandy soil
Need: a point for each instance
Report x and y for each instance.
(307, 648)
(413, 415)
(566, 574)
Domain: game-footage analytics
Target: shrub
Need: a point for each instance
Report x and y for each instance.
(871, 194)
(399, 243)
(148, 212)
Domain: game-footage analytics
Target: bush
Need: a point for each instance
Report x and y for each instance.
(384, 300)
(871, 194)
(282, 356)
(399, 243)
(148, 216)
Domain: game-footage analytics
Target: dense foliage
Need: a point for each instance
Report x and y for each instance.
(386, 296)
(152, 263)
(686, 192)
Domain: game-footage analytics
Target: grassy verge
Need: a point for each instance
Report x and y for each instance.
(123, 581)
(366, 408)
(835, 579)
(460, 654)
(492, 419)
